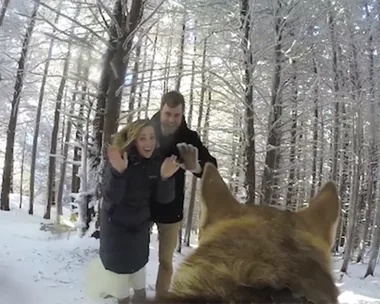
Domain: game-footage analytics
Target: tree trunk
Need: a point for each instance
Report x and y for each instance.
(151, 72)
(194, 180)
(357, 145)
(250, 177)
(75, 180)
(119, 65)
(331, 21)
(98, 122)
(191, 97)
(68, 134)
(54, 134)
(345, 175)
(321, 149)
(206, 124)
(22, 170)
(4, 8)
(238, 154)
(141, 88)
(132, 95)
(375, 244)
(82, 198)
(167, 63)
(373, 162)
(38, 120)
(63, 126)
(315, 131)
(62, 173)
(269, 180)
(8, 161)
(293, 142)
(181, 53)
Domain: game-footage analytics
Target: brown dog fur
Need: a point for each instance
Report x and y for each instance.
(259, 254)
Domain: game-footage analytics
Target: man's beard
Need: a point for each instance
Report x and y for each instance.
(168, 129)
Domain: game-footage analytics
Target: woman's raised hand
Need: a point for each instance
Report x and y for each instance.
(117, 161)
(169, 166)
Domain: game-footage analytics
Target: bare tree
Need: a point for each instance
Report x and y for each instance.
(154, 52)
(357, 97)
(190, 212)
(269, 182)
(8, 161)
(132, 94)
(181, 52)
(250, 177)
(38, 118)
(22, 169)
(331, 22)
(54, 134)
(3, 10)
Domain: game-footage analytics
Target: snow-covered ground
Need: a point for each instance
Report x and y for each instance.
(37, 267)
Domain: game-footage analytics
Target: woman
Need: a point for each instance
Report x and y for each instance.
(134, 176)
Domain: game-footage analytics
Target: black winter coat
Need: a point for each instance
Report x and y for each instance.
(125, 217)
(167, 145)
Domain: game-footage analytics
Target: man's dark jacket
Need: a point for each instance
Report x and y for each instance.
(167, 146)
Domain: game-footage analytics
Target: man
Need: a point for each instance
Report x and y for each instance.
(174, 137)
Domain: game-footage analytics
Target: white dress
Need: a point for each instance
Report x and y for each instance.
(101, 283)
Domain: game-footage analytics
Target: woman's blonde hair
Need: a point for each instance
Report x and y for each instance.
(127, 135)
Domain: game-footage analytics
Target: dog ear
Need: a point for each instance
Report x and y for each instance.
(323, 212)
(217, 200)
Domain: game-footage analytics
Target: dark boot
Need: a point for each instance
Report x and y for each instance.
(139, 296)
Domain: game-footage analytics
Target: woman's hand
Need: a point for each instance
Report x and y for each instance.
(118, 162)
(169, 167)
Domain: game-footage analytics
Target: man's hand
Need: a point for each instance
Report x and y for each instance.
(169, 167)
(118, 162)
(189, 154)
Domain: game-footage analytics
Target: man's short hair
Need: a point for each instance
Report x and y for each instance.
(173, 99)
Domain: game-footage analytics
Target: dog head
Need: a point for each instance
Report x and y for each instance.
(259, 254)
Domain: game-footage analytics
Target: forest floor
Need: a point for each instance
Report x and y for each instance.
(38, 267)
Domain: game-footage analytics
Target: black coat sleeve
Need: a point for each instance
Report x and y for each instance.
(114, 185)
(204, 155)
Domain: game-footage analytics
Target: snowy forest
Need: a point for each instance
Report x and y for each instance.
(284, 93)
